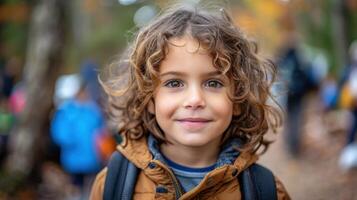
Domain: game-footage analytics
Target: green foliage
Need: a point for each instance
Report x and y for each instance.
(14, 1)
(317, 26)
(14, 36)
(107, 37)
(316, 29)
(114, 34)
(351, 22)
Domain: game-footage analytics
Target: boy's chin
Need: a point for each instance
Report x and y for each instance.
(196, 142)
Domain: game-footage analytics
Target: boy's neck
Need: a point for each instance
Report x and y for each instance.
(196, 157)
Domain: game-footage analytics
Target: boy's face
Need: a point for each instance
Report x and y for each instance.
(191, 103)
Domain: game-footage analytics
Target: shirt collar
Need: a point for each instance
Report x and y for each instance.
(227, 156)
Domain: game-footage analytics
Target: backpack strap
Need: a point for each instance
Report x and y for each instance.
(121, 178)
(257, 183)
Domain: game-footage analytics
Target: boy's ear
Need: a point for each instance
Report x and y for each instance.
(151, 107)
(237, 110)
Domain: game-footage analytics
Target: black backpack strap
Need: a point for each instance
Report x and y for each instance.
(121, 178)
(257, 183)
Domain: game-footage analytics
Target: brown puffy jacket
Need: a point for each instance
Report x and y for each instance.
(219, 184)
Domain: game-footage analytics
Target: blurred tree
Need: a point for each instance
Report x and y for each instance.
(43, 60)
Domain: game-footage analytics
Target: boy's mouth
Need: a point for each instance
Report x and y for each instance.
(197, 120)
(194, 124)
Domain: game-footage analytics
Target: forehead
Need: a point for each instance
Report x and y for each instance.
(186, 54)
(187, 43)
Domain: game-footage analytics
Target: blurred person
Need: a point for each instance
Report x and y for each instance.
(348, 91)
(298, 83)
(17, 99)
(7, 120)
(9, 76)
(10, 108)
(193, 114)
(89, 72)
(348, 99)
(328, 91)
(75, 126)
(67, 86)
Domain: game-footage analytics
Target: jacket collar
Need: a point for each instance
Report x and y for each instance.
(142, 151)
(227, 156)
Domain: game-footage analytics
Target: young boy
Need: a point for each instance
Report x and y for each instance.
(192, 108)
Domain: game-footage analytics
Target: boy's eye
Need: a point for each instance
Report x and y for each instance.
(214, 84)
(174, 84)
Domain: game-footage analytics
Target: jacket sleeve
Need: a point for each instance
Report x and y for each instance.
(281, 191)
(98, 186)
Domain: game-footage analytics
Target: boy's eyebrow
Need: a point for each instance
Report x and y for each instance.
(172, 73)
(214, 73)
(175, 73)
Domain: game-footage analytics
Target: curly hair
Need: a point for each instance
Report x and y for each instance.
(233, 54)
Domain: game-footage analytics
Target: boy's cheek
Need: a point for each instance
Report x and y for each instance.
(164, 105)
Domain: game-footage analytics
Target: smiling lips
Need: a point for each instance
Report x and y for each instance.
(193, 124)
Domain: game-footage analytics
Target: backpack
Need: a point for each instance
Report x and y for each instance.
(257, 182)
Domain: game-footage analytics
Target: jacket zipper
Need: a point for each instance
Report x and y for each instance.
(177, 186)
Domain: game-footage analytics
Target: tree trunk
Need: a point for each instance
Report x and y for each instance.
(339, 33)
(43, 61)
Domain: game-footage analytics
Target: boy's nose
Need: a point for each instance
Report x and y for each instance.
(195, 98)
